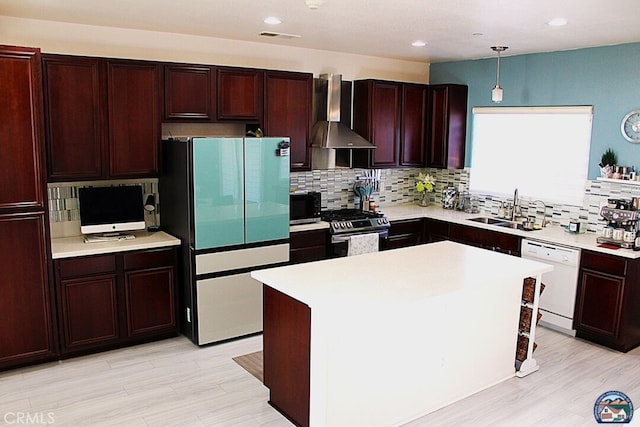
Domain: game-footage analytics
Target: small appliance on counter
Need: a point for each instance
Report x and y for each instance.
(304, 207)
(622, 225)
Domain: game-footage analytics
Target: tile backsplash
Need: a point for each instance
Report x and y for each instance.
(397, 186)
(64, 210)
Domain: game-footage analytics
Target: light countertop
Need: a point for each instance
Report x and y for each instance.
(554, 233)
(397, 276)
(67, 247)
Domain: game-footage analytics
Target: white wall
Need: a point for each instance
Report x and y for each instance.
(89, 40)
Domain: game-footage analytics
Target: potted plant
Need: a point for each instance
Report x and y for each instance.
(607, 162)
(425, 185)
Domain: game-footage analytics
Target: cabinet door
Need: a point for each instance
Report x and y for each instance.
(134, 118)
(385, 123)
(448, 121)
(73, 113)
(89, 310)
(413, 129)
(377, 118)
(188, 92)
(150, 301)
(436, 231)
(27, 331)
(599, 303)
(288, 100)
(240, 94)
(21, 170)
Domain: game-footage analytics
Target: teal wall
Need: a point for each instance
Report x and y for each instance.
(606, 77)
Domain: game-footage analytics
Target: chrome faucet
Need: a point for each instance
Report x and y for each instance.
(545, 221)
(517, 212)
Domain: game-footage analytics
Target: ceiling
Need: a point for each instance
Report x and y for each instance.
(453, 29)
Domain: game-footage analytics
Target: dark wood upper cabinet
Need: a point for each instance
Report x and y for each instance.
(288, 98)
(134, 118)
(189, 92)
(413, 126)
(102, 118)
(240, 94)
(21, 129)
(376, 117)
(448, 124)
(74, 117)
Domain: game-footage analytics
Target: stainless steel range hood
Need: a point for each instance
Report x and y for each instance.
(333, 141)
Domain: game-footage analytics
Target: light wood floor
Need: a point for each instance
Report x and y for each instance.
(174, 383)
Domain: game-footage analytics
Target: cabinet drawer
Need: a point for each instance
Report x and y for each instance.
(77, 267)
(604, 263)
(413, 226)
(148, 259)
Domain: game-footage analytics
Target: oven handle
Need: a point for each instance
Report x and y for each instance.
(339, 238)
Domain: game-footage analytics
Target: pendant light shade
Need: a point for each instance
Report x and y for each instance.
(496, 93)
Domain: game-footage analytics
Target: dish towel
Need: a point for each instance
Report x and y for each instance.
(363, 244)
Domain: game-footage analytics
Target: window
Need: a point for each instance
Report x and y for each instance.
(542, 151)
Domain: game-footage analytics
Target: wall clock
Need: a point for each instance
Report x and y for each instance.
(631, 126)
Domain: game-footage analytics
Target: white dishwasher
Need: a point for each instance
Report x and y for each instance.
(559, 297)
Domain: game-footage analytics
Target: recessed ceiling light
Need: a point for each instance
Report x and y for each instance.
(418, 43)
(272, 20)
(557, 22)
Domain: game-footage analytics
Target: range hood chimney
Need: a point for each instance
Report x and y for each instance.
(328, 131)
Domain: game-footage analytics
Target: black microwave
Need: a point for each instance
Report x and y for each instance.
(304, 207)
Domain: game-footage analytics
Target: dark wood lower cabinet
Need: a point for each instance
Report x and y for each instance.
(150, 301)
(107, 301)
(405, 233)
(27, 317)
(435, 230)
(287, 352)
(493, 240)
(311, 245)
(607, 301)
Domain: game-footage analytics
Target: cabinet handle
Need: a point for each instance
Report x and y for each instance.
(297, 164)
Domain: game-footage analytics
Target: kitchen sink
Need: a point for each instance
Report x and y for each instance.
(489, 220)
(499, 222)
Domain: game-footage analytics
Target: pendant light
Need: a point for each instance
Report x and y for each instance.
(496, 93)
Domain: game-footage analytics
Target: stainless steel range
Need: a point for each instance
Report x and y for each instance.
(345, 223)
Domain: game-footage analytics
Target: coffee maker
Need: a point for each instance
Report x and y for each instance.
(622, 224)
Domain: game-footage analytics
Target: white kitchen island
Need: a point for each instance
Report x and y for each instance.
(384, 338)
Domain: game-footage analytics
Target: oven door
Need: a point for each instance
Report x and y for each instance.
(340, 242)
